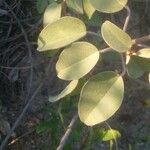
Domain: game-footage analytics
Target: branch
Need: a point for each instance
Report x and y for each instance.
(141, 39)
(123, 65)
(127, 18)
(67, 133)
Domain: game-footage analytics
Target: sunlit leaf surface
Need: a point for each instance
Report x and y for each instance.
(108, 6)
(61, 33)
(77, 60)
(100, 97)
(116, 38)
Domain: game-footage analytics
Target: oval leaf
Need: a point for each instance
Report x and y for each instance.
(52, 13)
(76, 5)
(116, 38)
(143, 63)
(133, 69)
(70, 87)
(77, 60)
(145, 53)
(108, 6)
(100, 97)
(88, 8)
(61, 33)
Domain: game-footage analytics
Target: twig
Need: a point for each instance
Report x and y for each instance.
(141, 39)
(28, 47)
(123, 65)
(108, 49)
(18, 138)
(127, 18)
(67, 133)
(124, 29)
(93, 33)
(25, 109)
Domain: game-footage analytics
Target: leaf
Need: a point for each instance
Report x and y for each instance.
(108, 6)
(94, 21)
(52, 13)
(41, 5)
(76, 60)
(100, 97)
(143, 63)
(107, 135)
(133, 69)
(88, 8)
(145, 53)
(76, 5)
(70, 87)
(61, 33)
(116, 38)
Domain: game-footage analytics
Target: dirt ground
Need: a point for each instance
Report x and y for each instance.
(18, 82)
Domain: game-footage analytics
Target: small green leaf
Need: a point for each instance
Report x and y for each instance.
(108, 6)
(88, 8)
(41, 5)
(52, 13)
(61, 33)
(75, 5)
(100, 97)
(116, 38)
(133, 69)
(107, 135)
(70, 87)
(145, 53)
(76, 60)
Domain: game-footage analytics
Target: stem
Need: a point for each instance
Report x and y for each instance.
(108, 49)
(93, 33)
(67, 133)
(141, 39)
(127, 18)
(123, 65)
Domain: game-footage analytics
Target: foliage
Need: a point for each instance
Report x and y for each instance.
(102, 95)
(66, 23)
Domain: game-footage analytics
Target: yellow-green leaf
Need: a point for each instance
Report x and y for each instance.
(88, 8)
(76, 5)
(100, 97)
(70, 87)
(52, 13)
(77, 60)
(145, 53)
(61, 33)
(108, 6)
(107, 135)
(116, 38)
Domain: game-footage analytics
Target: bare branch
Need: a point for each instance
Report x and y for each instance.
(127, 18)
(141, 39)
(67, 133)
